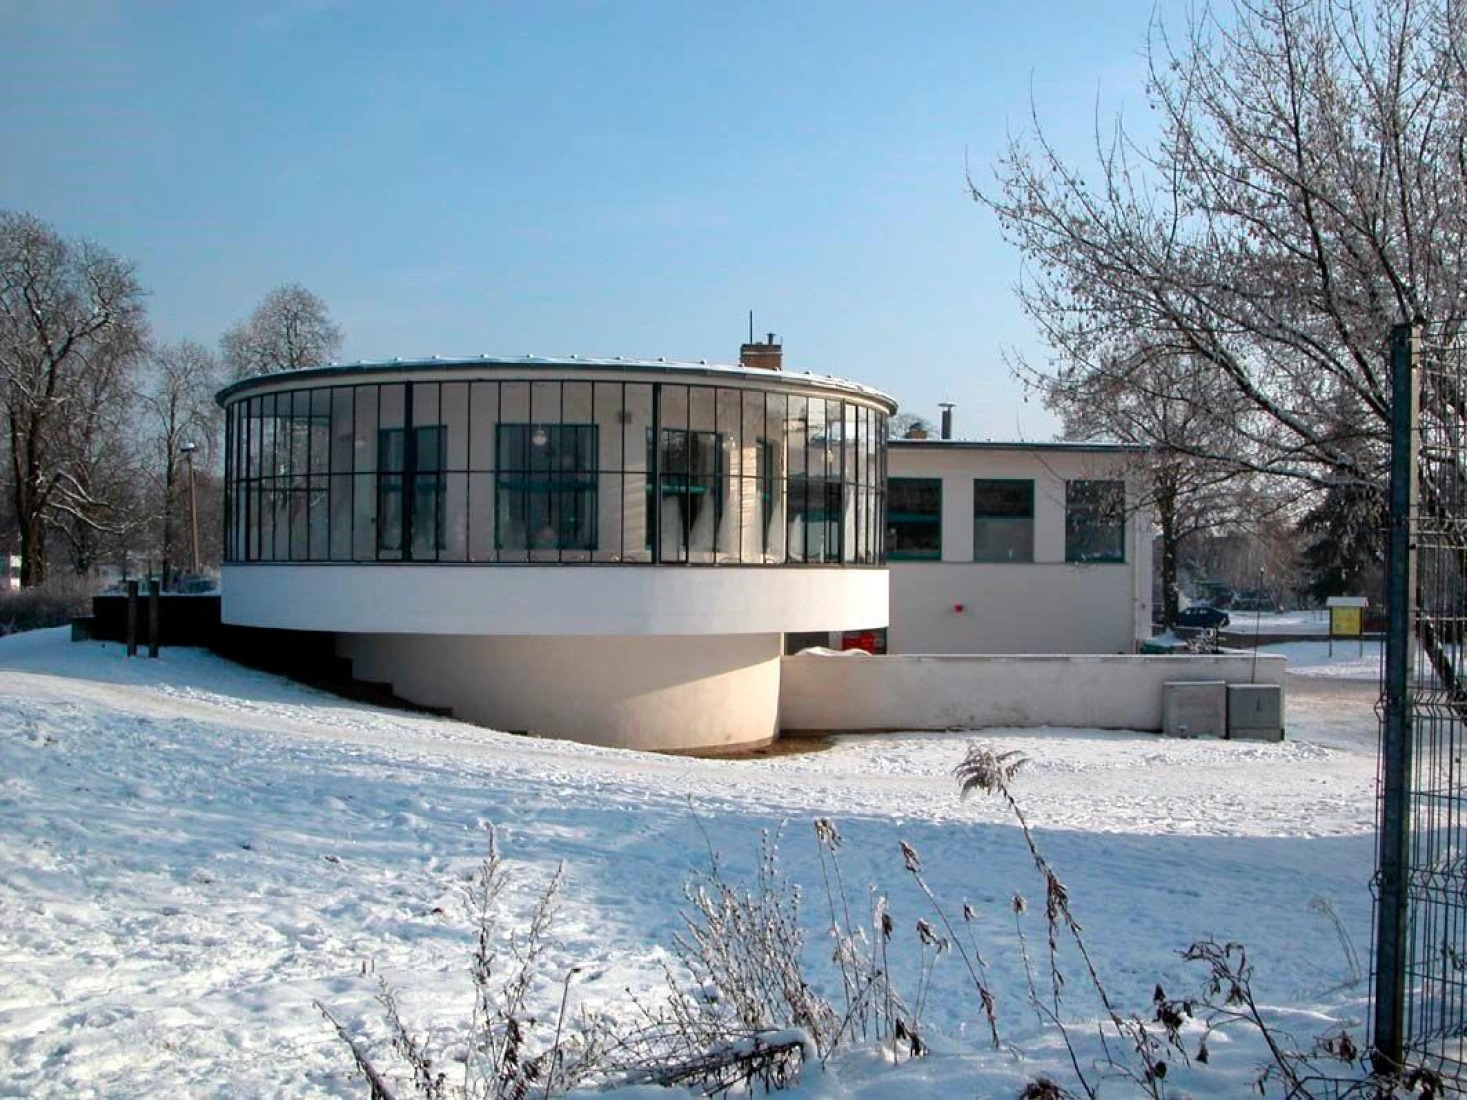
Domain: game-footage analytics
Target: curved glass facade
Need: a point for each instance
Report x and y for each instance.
(505, 470)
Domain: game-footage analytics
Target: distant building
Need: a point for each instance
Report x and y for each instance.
(604, 550)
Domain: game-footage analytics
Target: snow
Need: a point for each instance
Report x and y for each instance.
(1314, 621)
(192, 853)
(1344, 659)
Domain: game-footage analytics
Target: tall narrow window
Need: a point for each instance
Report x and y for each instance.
(416, 473)
(546, 487)
(391, 462)
(692, 473)
(1003, 519)
(426, 521)
(764, 474)
(1095, 521)
(914, 519)
(815, 505)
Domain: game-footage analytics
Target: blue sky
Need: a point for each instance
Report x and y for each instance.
(615, 178)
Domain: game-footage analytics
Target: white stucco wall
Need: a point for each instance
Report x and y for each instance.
(1052, 608)
(861, 692)
(667, 693)
(554, 599)
(1044, 606)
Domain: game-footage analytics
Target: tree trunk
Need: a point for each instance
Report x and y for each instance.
(32, 550)
(1169, 600)
(168, 479)
(1166, 519)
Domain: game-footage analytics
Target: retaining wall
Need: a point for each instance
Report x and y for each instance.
(858, 691)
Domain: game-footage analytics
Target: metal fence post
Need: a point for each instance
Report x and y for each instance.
(153, 611)
(132, 619)
(1392, 923)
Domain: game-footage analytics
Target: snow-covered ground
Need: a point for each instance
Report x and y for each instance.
(1315, 621)
(191, 853)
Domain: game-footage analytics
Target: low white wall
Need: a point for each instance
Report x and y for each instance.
(609, 600)
(665, 694)
(862, 692)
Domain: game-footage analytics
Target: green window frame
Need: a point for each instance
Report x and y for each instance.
(418, 472)
(1003, 519)
(545, 486)
(914, 519)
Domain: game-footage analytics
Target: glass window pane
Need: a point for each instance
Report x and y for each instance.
(391, 461)
(1095, 521)
(425, 510)
(636, 421)
(1003, 519)
(341, 430)
(546, 486)
(453, 414)
(914, 519)
(364, 493)
(341, 512)
(797, 483)
(483, 416)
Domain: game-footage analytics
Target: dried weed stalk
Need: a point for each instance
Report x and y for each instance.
(986, 771)
(507, 1052)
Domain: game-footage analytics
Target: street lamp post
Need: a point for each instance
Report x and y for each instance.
(187, 450)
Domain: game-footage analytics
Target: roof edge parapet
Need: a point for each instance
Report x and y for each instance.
(536, 363)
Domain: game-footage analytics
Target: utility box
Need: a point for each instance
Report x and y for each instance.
(1256, 712)
(1194, 708)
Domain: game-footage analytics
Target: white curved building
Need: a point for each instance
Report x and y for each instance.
(604, 550)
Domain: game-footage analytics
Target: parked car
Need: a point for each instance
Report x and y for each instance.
(1202, 617)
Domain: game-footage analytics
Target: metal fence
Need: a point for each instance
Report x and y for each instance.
(1421, 883)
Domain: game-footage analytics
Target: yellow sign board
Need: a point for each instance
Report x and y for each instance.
(1346, 622)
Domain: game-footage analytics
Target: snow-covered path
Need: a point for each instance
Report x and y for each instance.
(191, 853)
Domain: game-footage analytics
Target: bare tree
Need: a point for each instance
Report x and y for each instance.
(1178, 411)
(908, 426)
(72, 325)
(178, 402)
(290, 329)
(1305, 192)
(96, 442)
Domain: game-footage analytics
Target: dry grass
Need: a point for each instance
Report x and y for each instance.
(54, 603)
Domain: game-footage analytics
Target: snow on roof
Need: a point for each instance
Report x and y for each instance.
(1019, 445)
(538, 363)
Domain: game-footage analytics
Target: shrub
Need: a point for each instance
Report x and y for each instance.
(54, 603)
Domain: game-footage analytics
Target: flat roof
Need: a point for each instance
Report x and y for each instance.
(340, 372)
(1071, 446)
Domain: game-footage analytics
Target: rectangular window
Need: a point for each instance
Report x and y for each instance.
(425, 524)
(545, 487)
(420, 474)
(1095, 521)
(692, 474)
(1003, 519)
(815, 509)
(914, 519)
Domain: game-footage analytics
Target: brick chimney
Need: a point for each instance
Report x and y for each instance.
(766, 356)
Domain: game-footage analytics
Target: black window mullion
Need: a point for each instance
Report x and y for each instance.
(656, 474)
(351, 521)
(409, 475)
